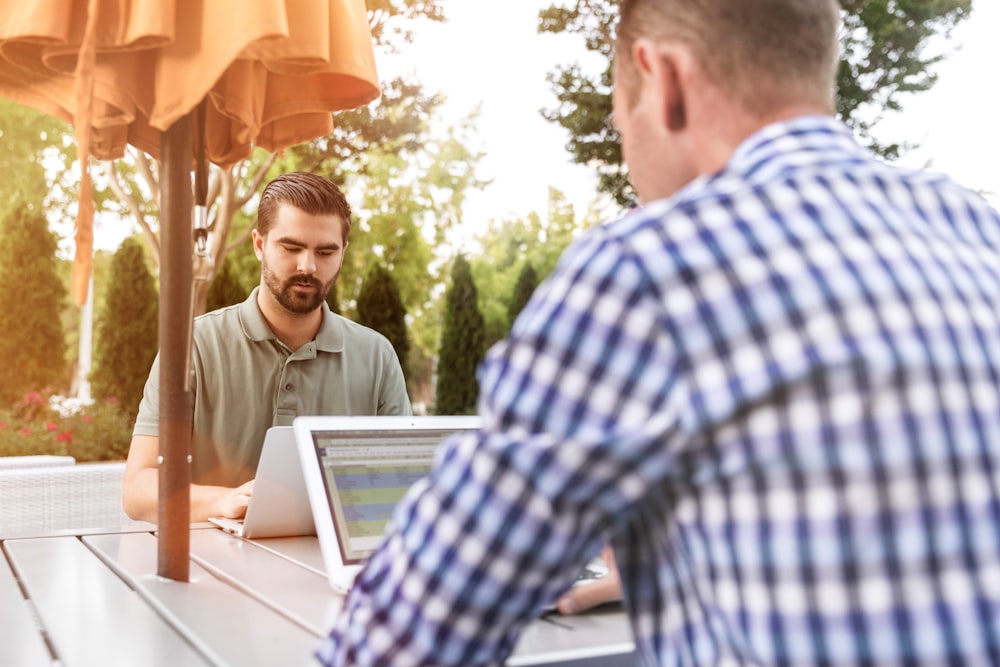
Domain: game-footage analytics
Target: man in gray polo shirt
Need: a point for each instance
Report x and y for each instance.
(279, 354)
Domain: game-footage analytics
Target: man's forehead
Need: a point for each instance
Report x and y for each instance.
(289, 218)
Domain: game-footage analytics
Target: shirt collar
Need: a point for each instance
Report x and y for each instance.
(793, 143)
(329, 338)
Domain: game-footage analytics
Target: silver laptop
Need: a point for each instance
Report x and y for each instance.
(279, 504)
(356, 469)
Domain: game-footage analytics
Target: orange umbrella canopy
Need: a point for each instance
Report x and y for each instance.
(271, 72)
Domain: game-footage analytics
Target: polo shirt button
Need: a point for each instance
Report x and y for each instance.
(288, 387)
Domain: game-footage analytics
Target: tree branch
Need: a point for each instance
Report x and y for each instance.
(149, 235)
(146, 169)
(255, 183)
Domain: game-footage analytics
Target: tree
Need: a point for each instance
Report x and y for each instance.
(462, 345)
(527, 281)
(381, 308)
(234, 280)
(127, 329)
(32, 346)
(884, 57)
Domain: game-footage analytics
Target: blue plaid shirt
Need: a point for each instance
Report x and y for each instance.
(776, 394)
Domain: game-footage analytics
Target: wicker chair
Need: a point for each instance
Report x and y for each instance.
(55, 498)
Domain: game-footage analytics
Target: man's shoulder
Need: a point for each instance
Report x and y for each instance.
(354, 330)
(220, 317)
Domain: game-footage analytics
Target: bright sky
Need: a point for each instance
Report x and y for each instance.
(491, 53)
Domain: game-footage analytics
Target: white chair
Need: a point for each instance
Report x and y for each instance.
(51, 499)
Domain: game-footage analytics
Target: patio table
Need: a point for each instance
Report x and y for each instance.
(93, 598)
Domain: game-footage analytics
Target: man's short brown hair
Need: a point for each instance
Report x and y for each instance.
(307, 192)
(761, 52)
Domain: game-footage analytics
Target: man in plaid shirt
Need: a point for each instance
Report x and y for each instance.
(774, 389)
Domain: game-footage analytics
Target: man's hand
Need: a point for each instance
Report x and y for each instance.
(587, 596)
(232, 503)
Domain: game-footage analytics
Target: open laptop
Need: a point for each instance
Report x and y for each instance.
(279, 504)
(356, 469)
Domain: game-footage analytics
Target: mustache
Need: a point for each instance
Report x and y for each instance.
(303, 279)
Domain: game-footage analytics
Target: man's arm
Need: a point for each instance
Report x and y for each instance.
(595, 593)
(140, 488)
(577, 429)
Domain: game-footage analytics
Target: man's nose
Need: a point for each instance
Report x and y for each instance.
(307, 262)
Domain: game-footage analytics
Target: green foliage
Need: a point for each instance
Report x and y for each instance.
(405, 201)
(389, 19)
(509, 246)
(884, 57)
(333, 299)
(32, 346)
(381, 308)
(127, 329)
(28, 138)
(462, 345)
(101, 431)
(234, 279)
(527, 281)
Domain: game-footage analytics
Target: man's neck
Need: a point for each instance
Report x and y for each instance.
(720, 139)
(292, 329)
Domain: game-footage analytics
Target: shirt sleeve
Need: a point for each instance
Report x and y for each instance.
(572, 403)
(147, 422)
(393, 398)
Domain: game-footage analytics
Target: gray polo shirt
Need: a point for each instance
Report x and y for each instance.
(246, 380)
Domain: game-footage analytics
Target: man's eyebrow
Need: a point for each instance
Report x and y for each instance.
(289, 241)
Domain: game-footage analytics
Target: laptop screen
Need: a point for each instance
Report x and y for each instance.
(366, 473)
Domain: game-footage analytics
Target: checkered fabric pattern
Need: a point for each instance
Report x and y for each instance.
(777, 395)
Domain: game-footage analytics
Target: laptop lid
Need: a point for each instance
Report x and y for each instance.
(279, 504)
(356, 469)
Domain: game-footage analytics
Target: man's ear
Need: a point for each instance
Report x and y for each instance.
(258, 243)
(662, 68)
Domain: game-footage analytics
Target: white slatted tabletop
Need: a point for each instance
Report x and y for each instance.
(95, 599)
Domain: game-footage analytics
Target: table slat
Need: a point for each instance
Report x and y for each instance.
(302, 550)
(226, 624)
(288, 587)
(600, 638)
(90, 615)
(21, 641)
(597, 638)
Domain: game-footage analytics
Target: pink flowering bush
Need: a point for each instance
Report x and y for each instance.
(100, 431)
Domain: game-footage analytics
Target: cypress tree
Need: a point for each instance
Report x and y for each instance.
(527, 281)
(462, 345)
(32, 345)
(234, 278)
(226, 287)
(127, 329)
(333, 299)
(381, 308)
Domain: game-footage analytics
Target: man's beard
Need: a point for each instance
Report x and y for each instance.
(292, 300)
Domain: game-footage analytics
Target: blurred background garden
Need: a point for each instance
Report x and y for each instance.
(441, 283)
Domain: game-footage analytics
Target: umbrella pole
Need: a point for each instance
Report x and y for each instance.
(174, 508)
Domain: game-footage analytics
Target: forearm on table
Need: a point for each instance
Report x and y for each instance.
(141, 495)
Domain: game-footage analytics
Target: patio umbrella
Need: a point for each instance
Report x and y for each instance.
(154, 74)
